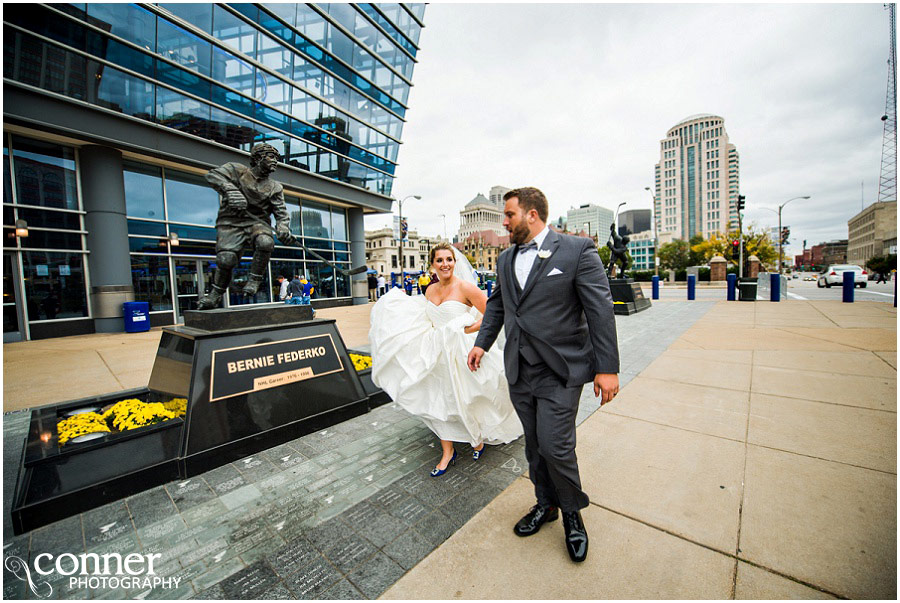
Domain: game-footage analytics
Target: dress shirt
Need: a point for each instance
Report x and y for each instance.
(525, 259)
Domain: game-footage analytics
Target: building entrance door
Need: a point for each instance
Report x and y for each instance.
(193, 278)
(13, 318)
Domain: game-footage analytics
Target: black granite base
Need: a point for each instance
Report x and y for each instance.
(252, 381)
(628, 297)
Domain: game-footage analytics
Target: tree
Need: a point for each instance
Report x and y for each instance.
(882, 265)
(604, 254)
(757, 242)
(695, 258)
(675, 255)
(715, 245)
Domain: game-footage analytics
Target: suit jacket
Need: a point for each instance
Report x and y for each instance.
(566, 318)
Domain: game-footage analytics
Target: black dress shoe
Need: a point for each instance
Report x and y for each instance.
(576, 535)
(532, 522)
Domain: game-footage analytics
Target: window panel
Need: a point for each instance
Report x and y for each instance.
(190, 198)
(127, 21)
(316, 221)
(143, 191)
(183, 47)
(234, 32)
(54, 285)
(199, 15)
(150, 279)
(45, 174)
(48, 219)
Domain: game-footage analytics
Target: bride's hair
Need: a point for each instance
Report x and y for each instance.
(438, 247)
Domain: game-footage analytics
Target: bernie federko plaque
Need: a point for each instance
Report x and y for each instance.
(252, 368)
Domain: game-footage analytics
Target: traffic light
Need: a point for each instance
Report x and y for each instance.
(785, 235)
(735, 249)
(740, 202)
(404, 228)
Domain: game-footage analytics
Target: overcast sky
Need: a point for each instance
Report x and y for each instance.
(575, 98)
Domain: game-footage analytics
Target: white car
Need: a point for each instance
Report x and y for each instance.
(834, 275)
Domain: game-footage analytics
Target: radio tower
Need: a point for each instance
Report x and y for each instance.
(887, 185)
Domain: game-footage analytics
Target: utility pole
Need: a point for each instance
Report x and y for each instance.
(740, 208)
(887, 184)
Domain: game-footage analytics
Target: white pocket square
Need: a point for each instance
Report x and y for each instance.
(554, 272)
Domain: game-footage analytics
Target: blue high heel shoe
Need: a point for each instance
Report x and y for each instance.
(438, 472)
(476, 454)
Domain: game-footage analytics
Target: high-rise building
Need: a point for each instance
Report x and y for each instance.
(872, 232)
(497, 193)
(634, 220)
(114, 112)
(592, 219)
(697, 179)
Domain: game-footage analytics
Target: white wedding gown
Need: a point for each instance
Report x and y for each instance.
(419, 353)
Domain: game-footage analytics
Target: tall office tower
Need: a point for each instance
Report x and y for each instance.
(697, 179)
(634, 221)
(113, 113)
(592, 219)
(497, 193)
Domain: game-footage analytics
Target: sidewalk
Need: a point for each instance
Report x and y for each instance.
(750, 454)
(754, 459)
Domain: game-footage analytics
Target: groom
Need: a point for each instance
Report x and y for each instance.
(553, 298)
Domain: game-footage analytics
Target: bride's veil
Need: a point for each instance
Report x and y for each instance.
(463, 269)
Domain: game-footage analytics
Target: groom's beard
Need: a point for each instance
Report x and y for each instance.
(519, 234)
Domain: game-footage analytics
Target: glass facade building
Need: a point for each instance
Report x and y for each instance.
(157, 94)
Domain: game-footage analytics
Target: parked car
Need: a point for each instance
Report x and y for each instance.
(809, 278)
(834, 275)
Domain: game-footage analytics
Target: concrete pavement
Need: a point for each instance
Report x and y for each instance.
(755, 458)
(751, 453)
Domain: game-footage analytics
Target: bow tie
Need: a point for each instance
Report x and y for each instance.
(527, 246)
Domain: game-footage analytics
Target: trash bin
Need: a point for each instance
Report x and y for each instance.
(137, 316)
(747, 288)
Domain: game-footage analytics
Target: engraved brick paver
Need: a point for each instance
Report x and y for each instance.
(339, 513)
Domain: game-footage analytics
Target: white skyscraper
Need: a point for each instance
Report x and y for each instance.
(697, 179)
(592, 219)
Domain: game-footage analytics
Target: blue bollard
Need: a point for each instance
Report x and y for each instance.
(490, 285)
(732, 286)
(655, 294)
(692, 287)
(895, 290)
(849, 277)
(775, 286)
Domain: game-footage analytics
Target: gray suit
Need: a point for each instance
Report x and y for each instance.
(560, 332)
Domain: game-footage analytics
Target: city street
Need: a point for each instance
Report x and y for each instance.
(798, 289)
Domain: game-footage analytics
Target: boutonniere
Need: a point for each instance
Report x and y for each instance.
(544, 254)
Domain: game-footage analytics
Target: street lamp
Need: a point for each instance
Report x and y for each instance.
(780, 207)
(587, 228)
(400, 231)
(655, 234)
(444, 216)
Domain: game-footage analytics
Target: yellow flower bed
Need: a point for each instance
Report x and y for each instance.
(122, 416)
(360, 361)
(79, 425)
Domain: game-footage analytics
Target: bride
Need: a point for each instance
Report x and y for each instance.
(419, 352)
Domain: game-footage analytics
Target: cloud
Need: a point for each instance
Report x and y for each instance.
(574, 99)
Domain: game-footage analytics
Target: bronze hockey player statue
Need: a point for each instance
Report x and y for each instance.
(247, 200)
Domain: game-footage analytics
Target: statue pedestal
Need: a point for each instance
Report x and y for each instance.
(252, 378)
(628, 297)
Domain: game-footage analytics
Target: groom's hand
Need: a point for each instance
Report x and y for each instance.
(607, 383)
(474, 360)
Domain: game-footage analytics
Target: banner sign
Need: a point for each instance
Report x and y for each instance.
(246, 369)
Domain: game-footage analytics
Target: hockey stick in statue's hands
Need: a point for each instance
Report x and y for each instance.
(293, 241)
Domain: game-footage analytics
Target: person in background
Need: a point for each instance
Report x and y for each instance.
(308, 290)
(408, 285)
(381, 285)
(424, 281)
(283, 291)
(295, 292)
(373, 286)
